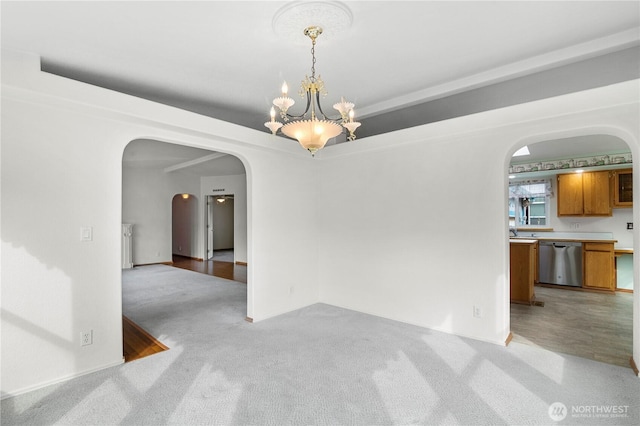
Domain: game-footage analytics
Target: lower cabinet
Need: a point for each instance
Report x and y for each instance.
(599, 266)
(523, 267)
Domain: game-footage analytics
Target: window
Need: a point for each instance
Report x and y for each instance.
(529, 203)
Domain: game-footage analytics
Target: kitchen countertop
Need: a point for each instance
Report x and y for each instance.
(623, 250)
(523, 240)
(580, 240)
(580, 237)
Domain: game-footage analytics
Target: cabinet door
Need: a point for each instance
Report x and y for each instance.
(596, 187)
(623, 188)
(599, 269)
(570, 195)
(522, 272)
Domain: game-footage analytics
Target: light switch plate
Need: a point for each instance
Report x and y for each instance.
(86, 233)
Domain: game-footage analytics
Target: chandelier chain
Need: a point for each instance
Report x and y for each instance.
(313, 61)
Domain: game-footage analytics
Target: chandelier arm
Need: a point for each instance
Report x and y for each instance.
(325, 116)
(306, 110)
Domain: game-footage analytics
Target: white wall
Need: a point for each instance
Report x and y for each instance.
(436, 252)
(617, 224)
(147, 195)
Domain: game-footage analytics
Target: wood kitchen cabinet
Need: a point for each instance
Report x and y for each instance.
(570, 198)
(623, 188)
(523, 261)
(584, 194)
(599, 266)
(536, 266)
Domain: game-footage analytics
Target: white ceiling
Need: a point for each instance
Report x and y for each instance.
(224, 59)
(576, 147)
(179, 159)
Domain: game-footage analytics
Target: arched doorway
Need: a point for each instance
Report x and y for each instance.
(566, 318)
(164, 186)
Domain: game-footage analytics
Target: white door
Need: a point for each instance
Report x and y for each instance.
(210, 202)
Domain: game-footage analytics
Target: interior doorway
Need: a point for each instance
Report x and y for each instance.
(591, 324)
(159, 180)
(220, 227)
(184, 225)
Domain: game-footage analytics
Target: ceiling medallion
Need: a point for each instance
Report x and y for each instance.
(313, 128)
(332, 16)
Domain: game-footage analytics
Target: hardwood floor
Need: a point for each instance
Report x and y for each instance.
(137, 343)
(222, 269)
(591, 325)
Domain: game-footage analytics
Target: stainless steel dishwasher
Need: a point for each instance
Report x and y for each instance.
(560, 263)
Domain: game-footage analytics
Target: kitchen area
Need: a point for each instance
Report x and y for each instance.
(571, 247)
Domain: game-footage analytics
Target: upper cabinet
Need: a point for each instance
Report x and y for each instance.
(623, 188)
(585, 194)
(570, 198)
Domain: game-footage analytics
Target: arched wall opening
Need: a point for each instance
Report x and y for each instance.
(164, 187)
(626, 238)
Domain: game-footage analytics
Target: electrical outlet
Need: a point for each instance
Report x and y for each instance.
(86, 233)
(86, 338)
(477, 312)
(629, 225)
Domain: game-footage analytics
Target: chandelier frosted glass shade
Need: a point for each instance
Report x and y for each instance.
(313, 128)
(312, 134)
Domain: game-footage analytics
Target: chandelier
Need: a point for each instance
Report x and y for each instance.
(313, 128)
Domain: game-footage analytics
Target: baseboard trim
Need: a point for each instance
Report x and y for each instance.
(199, 259)
(169, 263)
(249, 319)
(425, 326)
(241, 263)
(634, 366)
(60, 380)
(508, 340)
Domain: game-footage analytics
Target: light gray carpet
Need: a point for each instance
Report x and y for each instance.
(318, 365)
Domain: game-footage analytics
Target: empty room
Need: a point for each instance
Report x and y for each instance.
(320, 212)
